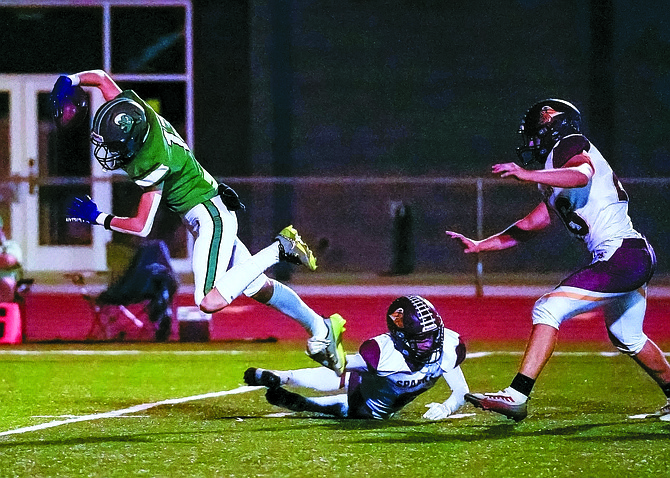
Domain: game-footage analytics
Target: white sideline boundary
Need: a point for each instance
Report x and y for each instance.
(125, 411)
(9, 351)
(395, 290)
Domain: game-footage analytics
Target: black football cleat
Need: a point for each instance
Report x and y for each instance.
(258, 377)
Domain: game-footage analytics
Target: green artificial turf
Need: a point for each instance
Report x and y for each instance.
(578, 423)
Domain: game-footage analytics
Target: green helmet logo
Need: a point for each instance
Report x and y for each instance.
(124, 121)
(119, 130)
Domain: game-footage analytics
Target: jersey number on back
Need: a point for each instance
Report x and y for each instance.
(170, 137)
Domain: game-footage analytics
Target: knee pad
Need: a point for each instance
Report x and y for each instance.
(230, 290)
(631, 345)
(543, 315)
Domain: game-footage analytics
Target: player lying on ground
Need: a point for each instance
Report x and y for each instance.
(387, 373)
(579, 185)
(128, 134)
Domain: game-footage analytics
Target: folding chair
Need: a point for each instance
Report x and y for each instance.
(138, 305)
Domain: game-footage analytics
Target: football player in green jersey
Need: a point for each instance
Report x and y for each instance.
(128, 134)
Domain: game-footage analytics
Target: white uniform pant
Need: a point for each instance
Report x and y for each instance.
(624, 313)
(618, 285)
(216, 247)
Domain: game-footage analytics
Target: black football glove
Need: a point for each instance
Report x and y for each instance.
(230, 198)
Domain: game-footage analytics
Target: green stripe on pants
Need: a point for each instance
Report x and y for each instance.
(213, 255)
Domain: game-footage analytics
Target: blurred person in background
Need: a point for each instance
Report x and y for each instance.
(11, 271)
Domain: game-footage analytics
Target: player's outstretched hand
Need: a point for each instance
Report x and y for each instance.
(82, 210)
(469, 246)
(63, 88)
(69, 103)
(437, 411)
(510, 170)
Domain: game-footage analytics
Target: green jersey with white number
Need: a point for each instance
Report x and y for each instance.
(165, 158)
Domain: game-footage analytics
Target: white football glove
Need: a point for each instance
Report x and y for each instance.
(437, 411)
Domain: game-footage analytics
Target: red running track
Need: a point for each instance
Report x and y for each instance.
(67, 317)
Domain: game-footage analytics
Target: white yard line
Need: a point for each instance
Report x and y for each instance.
(470, 355)
(125, 411)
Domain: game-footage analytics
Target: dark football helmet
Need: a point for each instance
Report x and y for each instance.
(544, 125)
(416, 328)
(119, 130)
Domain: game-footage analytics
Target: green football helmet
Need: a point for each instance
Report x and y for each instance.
(119, 131)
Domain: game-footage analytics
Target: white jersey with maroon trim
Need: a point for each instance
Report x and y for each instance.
(596, 213)
(390, 383)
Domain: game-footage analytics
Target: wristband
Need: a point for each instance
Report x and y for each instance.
(105, 220)
(74, 79)
(108, 222)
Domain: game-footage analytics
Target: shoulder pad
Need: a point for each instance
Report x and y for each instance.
(568, 147)
(371, 352)
(461, 352)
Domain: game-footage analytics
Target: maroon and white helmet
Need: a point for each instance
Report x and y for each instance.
(545, 124)
(416, 328)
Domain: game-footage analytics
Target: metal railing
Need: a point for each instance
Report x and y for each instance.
(396, 225)
(354, 223)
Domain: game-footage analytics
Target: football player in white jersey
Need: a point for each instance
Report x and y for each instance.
(581, 187)
(387, 373)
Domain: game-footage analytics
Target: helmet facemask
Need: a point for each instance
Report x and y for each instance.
(422, 348)
(416, 329)
(108, 154)
(544, 125)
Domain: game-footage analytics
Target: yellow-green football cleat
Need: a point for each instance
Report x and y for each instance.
(293, 249)
(329, 352)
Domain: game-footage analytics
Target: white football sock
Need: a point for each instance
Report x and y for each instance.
(320, 378)
(516, 395)
(286, 301)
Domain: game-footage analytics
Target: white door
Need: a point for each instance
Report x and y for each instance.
(48, 169)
